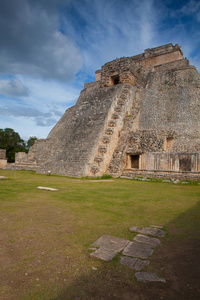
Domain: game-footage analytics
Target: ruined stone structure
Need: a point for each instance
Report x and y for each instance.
(3, 159)
(140, 117)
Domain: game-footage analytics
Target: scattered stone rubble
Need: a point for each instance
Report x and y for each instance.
(134, 254)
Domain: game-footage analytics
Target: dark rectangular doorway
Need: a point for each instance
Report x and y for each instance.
(185, 163)
(135, 161)
(115, 79)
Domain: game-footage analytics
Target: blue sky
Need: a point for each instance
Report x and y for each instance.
(50, 48)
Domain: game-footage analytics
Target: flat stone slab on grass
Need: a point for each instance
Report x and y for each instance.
(139, 250)
(111, 243)
(3, 177)
(140, 238)
(134, 263)
(156, 226)
(148, 230)
(103, 254)
(148, 277)
(46, 188)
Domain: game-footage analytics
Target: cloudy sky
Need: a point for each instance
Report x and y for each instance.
(50, 48)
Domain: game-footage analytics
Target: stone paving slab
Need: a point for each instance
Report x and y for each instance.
(134, 263)
(46, 188)
(140, 238)
(151, 277)
(111, 243)
(139, 250)
(148, 230)
(103, 254)
(156, 226)
(3, 177)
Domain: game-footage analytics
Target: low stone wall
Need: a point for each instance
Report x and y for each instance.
(3, 163)
(20, 157)
(195, 176)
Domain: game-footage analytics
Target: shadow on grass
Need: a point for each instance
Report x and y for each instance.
(177, 260)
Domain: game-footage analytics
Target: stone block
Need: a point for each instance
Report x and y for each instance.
(134, 263)
(139, 250)
(148, 230)
(111, 243)
(103, 254)
(46, 188)
(140, 238)
(148, 277)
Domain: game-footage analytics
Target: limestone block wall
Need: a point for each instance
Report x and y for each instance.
(20, 157)
(69, 146)
(125, 68)
(141, 114)
(161, 59)
(3, 160)
(177, 64)
(166, 133)
(113, 124)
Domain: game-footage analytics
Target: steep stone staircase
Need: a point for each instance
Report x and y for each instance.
(115, 122)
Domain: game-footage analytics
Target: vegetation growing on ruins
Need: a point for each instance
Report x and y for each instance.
(12, 142)
(47, 235)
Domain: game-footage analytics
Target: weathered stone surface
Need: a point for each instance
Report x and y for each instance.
(148, 277)
(156, 226)
(104, 254)
(139, 250)
(111, 243)
(46, 188)
(148, 230)
(157, 129)
(134, 263)
(140, 238)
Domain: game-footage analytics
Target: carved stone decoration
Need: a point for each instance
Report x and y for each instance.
(94, 169)
(102, 149)
(106, 140)
(109, 131)
(120, 102)
(98, 159)
(115, 116)
(112, 123)
(118, 109)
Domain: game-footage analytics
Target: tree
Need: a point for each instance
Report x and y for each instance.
(31, 142)
(12, 142)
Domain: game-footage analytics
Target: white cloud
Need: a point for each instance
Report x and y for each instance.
(191, 8)
(45, 104)
(105, 30)
(13, 88)
(32, 44)
(46, 50)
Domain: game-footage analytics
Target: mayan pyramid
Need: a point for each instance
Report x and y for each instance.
(140, 116)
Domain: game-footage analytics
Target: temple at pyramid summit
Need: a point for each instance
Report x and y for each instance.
(140, 117)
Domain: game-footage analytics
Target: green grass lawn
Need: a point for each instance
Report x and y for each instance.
(46, 236)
